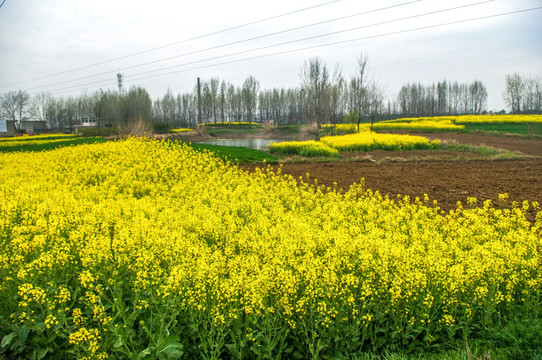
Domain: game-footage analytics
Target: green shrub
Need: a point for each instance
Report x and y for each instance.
(96, 131)
(161, 127)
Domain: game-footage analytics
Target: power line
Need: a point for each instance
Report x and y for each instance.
(315, 37)
(230, 43)
(346, 41)
(328, 44)
(274, 45)
(173, 44)
(275, 33)
(2, 4)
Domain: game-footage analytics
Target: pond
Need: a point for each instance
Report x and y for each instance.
(257, 144)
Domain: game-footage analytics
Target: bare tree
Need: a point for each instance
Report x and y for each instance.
(55, 112)
(442, 97)
(213, 93)
(337, 96)
(230, 100)
(210, 99)
(250, 89)
(38, 106)
(513, 93)
(100, 108)
(538, 95)
(222, 100)
(478, 97)
(376, 93)
(533, 95)
(70, 114)
(15, 105)
(358, 86)
(264, 104)
(315, 85)
(168, 108)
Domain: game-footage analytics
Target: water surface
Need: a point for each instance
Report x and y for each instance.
(257, 144)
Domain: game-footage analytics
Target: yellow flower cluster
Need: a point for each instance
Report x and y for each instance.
(362, 141)
(366, 141)
(424, 125)
(89, 339)
(232, 123)
(180, 130)
(120, 236)
(347, 128)
(303, 148)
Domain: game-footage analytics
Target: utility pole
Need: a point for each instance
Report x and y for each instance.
(199, 105)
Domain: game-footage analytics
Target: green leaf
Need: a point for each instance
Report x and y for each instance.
(42, 353)
(171, 339)
(144, 353)
(23, 333)
(118, 343)
(172, 349)
(7, 340)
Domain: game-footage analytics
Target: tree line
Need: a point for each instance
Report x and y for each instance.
(523, 94)
(442, 98)
(323, 96)
(106, 108)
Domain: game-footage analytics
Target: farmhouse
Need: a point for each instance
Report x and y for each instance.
(33, 126)
(7, 128)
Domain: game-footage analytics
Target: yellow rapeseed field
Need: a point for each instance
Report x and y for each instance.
(464, 119)
(366, 141)
(148, 249)
(422, 124)
(25, 138)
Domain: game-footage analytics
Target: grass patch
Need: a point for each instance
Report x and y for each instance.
(224, 131)
(527, 129)
(482, 150)
(488, 152)
(288, 129)
(237, 155)
(95, 131)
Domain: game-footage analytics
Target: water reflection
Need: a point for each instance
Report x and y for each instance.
(257, 144)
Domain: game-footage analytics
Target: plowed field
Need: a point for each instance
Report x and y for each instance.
(445, 176)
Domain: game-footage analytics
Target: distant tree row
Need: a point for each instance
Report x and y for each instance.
(106, 108)
(442, 98)
(221, 102)
(321, 97)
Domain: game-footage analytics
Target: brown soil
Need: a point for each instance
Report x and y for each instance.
(447, 181)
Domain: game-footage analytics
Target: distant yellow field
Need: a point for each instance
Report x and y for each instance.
(462, 119)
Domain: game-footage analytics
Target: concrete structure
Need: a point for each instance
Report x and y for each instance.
(33, 126)
(7, 128)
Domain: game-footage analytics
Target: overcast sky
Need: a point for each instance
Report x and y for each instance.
(84, 44)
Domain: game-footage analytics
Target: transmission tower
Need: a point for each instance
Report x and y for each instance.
(120, 79)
